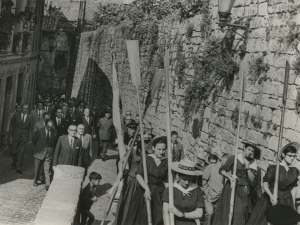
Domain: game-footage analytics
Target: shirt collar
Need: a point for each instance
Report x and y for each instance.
(252, 165)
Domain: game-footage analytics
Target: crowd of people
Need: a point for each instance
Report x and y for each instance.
(62, 131)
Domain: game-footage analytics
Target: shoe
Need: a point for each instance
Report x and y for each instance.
(13, 166)
(99, 157)
(19, 172)
(42, 181)
(47, 188)
(35, 184)
(104, 158)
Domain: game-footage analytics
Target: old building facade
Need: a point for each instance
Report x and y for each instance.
(19, 57)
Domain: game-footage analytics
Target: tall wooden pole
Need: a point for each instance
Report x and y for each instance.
(168, 119)
(285, 89)
(233, 185)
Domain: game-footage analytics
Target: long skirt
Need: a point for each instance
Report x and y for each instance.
(258, 215)
(127, 194)
(241, 209)
(138, 210)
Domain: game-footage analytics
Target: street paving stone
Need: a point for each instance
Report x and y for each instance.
(20, 201)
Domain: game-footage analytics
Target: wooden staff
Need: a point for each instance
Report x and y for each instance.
(170, 175)
(286, 84)
(233, 184)
(115, 188)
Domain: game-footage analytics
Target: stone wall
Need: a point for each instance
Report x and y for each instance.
(269, 25)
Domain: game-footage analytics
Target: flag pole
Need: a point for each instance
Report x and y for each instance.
(170, 175)
(233, 184)
(285, 89)
(134, 62)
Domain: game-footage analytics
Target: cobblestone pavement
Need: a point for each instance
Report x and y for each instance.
(19, 200)
(108, 171)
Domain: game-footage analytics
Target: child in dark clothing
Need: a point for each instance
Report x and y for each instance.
(87, 198)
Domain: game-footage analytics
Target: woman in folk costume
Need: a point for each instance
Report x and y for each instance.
(157, 166)
(246, 174)
(130, 184)
(288, 178)
(188, 197)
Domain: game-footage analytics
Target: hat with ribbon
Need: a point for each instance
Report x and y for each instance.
(187, 167)
(292, 144)
(150, 144)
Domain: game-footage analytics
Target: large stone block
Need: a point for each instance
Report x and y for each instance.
(54, 217)
(61, 202)
(68, 172)
(65, 187)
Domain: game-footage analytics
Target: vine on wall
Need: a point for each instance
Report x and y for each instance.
(257, 67)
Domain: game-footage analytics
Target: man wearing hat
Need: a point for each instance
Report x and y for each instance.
(106, 127)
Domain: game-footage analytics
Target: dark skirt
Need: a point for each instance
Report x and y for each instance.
(258, 215)
(241, 208)
(127, 194)
(138, 210)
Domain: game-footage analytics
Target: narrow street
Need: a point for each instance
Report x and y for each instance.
(20, 201)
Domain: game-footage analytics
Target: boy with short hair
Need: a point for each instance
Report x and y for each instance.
(87, 198)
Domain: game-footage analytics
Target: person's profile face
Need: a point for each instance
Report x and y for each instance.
(18, 108)
(131, 131)
(46, 103)
(107, 115)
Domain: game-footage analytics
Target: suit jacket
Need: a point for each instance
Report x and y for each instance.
(85, 199)
(18, 130)
(62, 128)
(105, 128)
(64, 154)
(78, 113)
(50, 109)
(39, 125)
(35, 115)
(86, 152)
(88, 126)
(39, 140)
(178, 153)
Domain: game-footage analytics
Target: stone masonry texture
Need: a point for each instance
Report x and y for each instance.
(263, 101)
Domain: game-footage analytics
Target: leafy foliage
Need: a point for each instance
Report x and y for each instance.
(256, 121)
(296, 65)
(189, 30)
(235, 117)
(257, 67)
(293, 35)
(214, 72)
(7, 22)
(26, 39)
(181, 64)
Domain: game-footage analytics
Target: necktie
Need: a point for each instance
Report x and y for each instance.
(71, 142)
(58, 122)
(81, 140)
(63, 116)
(39, 113)
(23, 120)
(87, 119)
(47, 109)
(48, 137)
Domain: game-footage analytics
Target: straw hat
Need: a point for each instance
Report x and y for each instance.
(255, 146)
(187, 167)
(150, 144)
(292, 144)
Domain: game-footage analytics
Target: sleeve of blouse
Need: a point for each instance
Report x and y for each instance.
(296, 181)
(228, 165)
(270, 174)
(200, 200)
(140, 169)
(165, 197)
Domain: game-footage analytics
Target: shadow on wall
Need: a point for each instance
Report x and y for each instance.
(95, 88)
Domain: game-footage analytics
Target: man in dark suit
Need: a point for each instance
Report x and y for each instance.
(67, 149)
(20, 134)
(59, 123)
(88, 122)
(106, 127)
(47, 106)
(67, 117)
(80, 110)
(41, 124)
(37, 113)
(86, 153)
(44, 142)
(177, 148)
(74, 119)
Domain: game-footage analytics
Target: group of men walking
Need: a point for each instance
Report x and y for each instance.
(59, 133)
